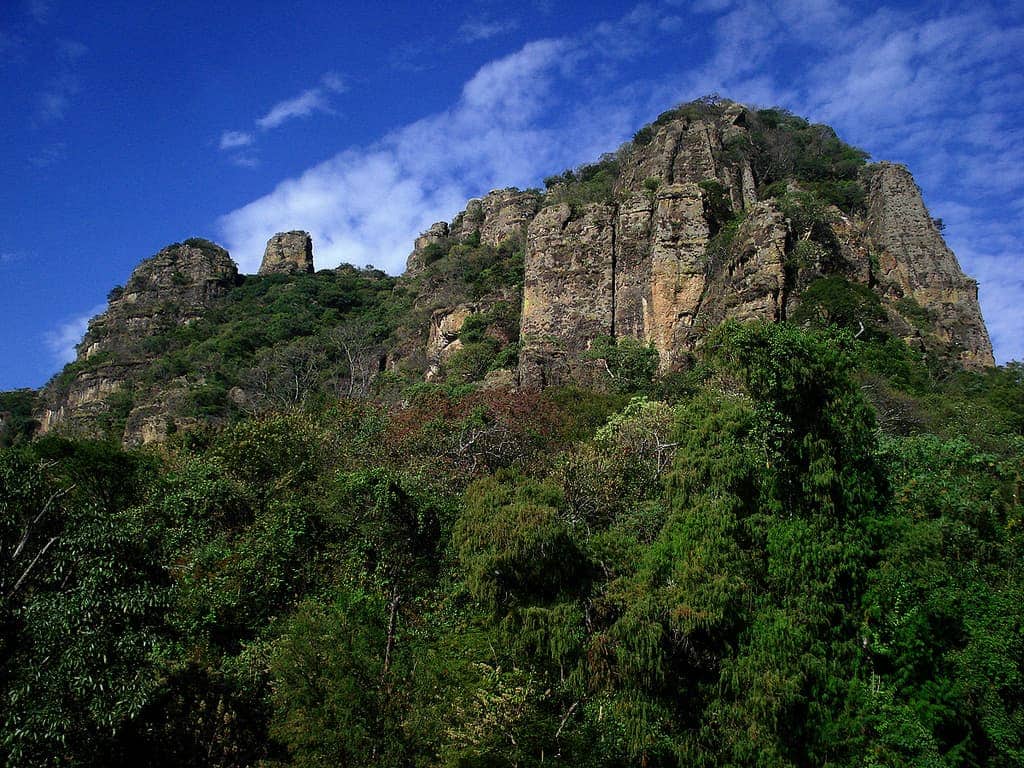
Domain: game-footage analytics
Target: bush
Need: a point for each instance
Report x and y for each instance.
(835, 301)
(631, 364)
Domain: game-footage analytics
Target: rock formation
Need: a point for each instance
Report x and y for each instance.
(703, 218)
(645, 264)
(288, 253)
(498, 216)
(915, 261)
(174, 287)
(443, 338)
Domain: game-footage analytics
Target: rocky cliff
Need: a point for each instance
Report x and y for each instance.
(690, 236)
(914, 261)
(172, 288)
(714, 212)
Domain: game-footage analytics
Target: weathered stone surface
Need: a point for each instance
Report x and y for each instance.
(568, 292)
(498, 216)
(172, 288)
(678, 270)
(443, 341)
(915, 261)
(684, 151)
(669, 289)
(288, 253)
(751, 283)
(633, 263)
(416, 262)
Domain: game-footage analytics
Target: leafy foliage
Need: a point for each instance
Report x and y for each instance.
(765, 568)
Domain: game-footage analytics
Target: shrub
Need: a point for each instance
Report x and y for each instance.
(835, 301)
(631, 364)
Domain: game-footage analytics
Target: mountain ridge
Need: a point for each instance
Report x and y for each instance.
(714, 212)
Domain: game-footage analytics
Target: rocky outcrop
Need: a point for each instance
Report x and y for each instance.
(443, 340)
(417, 261)
(750, 281)
(915, 261)
(568, 291)
(173, 288)
(500, 215)
(288, 253)
(660, 242)
(648, 264)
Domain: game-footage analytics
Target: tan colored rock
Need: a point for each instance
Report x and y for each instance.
(633, 263)
(498, 216)
(288, 253)
(438, 233)
(568, 290)
(678, 270)
(173, 288)
(443, 340)
(751, 283)
(915, 261)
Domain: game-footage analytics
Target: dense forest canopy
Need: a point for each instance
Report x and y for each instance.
(806, 551)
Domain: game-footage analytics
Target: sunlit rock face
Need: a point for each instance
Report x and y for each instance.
(288, 253)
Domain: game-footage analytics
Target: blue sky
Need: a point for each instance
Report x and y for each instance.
(128, 126)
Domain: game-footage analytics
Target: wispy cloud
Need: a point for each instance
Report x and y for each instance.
(306, 103)
(8, 257)
(54, 101)
(245, 160)
(236, 139)
(52, 105)
(477, 29)
(365, 205)
(241, 145)
(63, 339)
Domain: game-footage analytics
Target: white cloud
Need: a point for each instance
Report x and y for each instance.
(236, 139)
(302, 105)
(63, 339)
(242, 144)
(366, 205)
(306, 103)
(334, 82)
(474, 30)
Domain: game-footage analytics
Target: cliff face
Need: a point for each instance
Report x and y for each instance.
(288, 253)
(915, 261)
(648, 264)
(172, 288)
(714, 212)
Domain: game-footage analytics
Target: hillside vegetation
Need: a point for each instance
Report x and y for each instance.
(806, 551)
